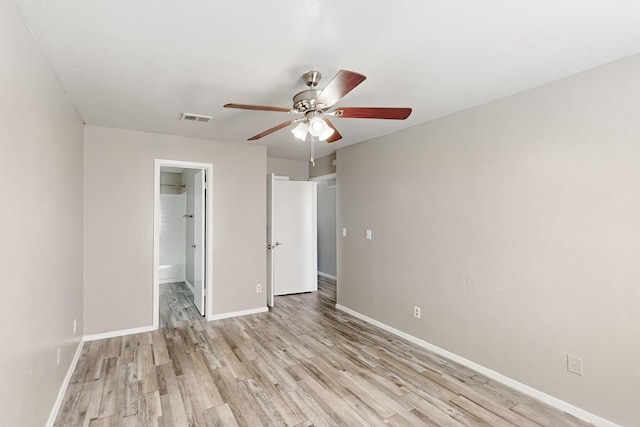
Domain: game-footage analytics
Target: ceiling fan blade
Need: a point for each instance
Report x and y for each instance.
(341, 84)
(335, 136)
(257, 107)
(372, 113)
(272, 130)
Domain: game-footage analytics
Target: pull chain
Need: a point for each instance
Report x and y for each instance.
(313, 139)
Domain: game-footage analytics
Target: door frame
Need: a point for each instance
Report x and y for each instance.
(270, 294)
(271, 178)
(208, 225)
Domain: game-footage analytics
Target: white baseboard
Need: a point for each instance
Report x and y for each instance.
(237, 313)
(120, 333)
(189, 285)
(63, 388)
(328, 276)
(553, 401)
(113, 334)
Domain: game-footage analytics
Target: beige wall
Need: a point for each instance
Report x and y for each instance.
(324, 166)
(296, 170)
(41, 220)
(118, 215)
(515, 226)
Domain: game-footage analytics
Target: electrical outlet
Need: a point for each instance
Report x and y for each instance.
(367, 234)
(574, 365)
(344, 231)
(259, 287)
(75, 326)
(416, 312)
(58, 356)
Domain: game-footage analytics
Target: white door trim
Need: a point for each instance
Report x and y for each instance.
(271, 178)
(199, 241)
(270, 296)
(208, 167)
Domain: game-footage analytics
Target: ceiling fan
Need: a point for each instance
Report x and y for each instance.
(314, 105)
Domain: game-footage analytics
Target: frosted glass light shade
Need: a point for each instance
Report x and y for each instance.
(300, 131)
(320, 129)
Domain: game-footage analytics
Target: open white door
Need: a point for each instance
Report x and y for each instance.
(199, 242)
(292, 237)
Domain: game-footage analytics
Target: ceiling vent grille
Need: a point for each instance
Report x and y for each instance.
(195, 117)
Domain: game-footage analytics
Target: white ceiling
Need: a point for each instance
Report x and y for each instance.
(138, 64)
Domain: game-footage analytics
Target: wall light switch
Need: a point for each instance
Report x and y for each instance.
(367, 234)
(344, 231)
(574, 365)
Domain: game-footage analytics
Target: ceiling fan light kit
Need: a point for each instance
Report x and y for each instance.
(314, 126)
(320, 129)
(314, 104)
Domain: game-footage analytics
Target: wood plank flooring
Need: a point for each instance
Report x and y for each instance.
(301, 364)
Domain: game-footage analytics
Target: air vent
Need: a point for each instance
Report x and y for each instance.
(195, 117)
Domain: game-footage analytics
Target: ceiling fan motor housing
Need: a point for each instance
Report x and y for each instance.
(306, 100)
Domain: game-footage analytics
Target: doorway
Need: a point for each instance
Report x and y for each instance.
(182, 248)
(291, 237)
(327, 228)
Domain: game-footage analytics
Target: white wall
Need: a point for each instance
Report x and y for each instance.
(41, 221)
(119, 169)
(173, 224)
(173, 229)
(296, 170)
(516, 227)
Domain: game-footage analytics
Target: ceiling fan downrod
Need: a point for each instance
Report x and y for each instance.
(311, 78)
(312, 160)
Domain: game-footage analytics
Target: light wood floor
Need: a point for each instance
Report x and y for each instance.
(301, 364)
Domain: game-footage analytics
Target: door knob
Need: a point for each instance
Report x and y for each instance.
(274, 245)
